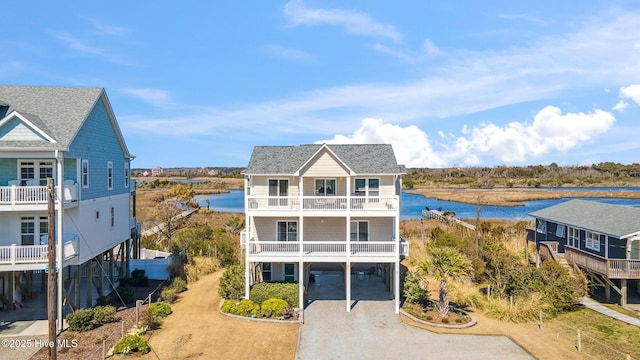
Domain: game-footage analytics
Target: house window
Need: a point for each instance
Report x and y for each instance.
(560, 231)
(289, 273)
(542, 227)
(126, 175)
(27, 230)
(266, 271)
(325, 187)
(278, 192)
(592, 241)
(360, 230)
(34, 173)
(113, 217)
(85, 173)
(44, 226)
(367, 187)
(573, 237)
(110, 175)
(287, 231)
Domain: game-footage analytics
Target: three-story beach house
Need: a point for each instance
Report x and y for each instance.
(71, 135)
(313, 207)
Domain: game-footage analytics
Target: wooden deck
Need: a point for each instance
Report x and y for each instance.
(439, 215)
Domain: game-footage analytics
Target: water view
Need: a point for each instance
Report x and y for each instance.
(412, 205)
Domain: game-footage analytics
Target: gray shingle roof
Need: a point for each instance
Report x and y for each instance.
(60, 111)
(360, 158)
(616, 220)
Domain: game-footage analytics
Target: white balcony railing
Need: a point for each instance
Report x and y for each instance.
(17, 195)
(324, 203)
(16, 255)
(322, 248)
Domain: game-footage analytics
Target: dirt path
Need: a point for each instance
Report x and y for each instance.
(196, 330)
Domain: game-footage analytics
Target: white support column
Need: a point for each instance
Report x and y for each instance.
(396, 283)
(59, 234)
(301, 277)
(247, 279)
(347, 275)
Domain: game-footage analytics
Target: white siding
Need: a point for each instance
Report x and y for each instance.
(324, 165)
(261, 185)
(332, 229)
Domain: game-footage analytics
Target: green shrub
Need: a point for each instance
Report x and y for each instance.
(149, 320)
(132, 343)
(288, 292)
(80, 320)
(228, 307)
(127, 294)
(104, 314)
(179, 284)
(160, 309)
(413, 291)
(246, 308)
(273, 307)
(232, 282)
(169, 295)
(139, 278)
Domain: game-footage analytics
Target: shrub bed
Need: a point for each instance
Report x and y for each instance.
(274, 290)
(160, 309)
(132, 343)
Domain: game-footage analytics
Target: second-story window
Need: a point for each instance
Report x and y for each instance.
(113, 217)
(85, 173)
(110, 175)
(34, 173)
(592, 240)
(287, 231)
(573, 237)
(278, 192)
(367, 187)
(325, 187)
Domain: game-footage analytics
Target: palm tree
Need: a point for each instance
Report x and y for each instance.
(446, 263)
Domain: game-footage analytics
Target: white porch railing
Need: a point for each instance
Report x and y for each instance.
(322, 248)
(15, 195)
(23, 254)
(324, 203)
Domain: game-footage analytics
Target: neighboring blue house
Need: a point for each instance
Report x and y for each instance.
(601, 239)
(69, 134)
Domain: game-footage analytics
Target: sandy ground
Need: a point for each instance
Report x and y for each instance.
(196, 330)
(515, 196)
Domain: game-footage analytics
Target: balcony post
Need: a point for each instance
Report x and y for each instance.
(13, 254)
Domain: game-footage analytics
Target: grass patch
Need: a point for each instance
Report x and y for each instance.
(602, 336)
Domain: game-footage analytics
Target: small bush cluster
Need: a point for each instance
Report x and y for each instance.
(139, 278)
(413, 291)
(127, 293)
(288, 292)
(132, 343)
(149, 320)
(269, 308)
(232, 283)
(86, 319)
(169, 295)
(160, 309)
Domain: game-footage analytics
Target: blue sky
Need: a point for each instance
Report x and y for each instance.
(468, 83)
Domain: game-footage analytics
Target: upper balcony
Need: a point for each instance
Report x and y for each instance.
(320, 204)
(34, 197)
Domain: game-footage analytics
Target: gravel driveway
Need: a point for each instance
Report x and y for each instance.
(373, 331)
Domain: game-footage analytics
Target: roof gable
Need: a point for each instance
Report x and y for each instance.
(616, 220)
(324, 153)
(24, 127)
(360, 159)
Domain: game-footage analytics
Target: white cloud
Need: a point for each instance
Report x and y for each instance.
(631, 92)
(152, 96)
(285, 53)
(621, 105)
(78, 45)
(551, 131)
(110, 30)
(352, 21)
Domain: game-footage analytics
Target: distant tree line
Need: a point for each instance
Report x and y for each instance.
(604, 173)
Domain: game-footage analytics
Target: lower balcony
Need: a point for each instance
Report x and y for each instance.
(31, 257)
(331, 251)
(611, 268)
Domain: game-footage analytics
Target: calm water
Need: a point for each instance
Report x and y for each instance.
(412, 205)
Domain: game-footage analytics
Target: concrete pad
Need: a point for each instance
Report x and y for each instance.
(372, 330)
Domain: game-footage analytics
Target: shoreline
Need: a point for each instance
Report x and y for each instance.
(515, 196)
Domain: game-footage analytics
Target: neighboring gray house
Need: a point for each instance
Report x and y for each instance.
(315, 208)
(601, 239)
(69, 134)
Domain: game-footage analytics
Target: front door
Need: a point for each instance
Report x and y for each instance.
(289, 273)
